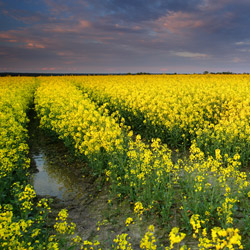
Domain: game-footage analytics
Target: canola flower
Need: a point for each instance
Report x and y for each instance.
(176, 237)
(121, 242)
(129, 221)
(221, 239)
(148, 241)
(138, 209)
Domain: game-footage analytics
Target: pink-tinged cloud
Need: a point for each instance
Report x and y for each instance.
(164, 69)
(48, 68)
(22, 38)
(65, 53)
(179, 22)
(67, 28)
(7, 36)
(84, 24)
(34, 45)
(136, 27)
(238, 60)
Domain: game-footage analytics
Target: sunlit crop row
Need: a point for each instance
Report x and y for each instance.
(90, 131)
(204, 195)
(213, 109)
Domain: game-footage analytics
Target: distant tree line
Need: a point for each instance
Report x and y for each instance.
(223, 72)
(104, 74)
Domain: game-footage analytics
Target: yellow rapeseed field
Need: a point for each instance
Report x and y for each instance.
(126, 127)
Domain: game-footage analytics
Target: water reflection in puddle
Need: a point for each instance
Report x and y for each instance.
(53, 179)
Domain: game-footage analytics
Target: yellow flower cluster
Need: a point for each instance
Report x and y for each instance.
(221, 239)
(26, 197)
(138, 209)
(196, 223)
(129, 220)
(122, 243)
(176, 237)
(148, 242)
(61, 226)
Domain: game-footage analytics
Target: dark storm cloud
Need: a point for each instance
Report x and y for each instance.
(123, 36)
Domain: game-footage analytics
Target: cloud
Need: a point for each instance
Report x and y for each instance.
(57, 7)
(3, 53)
(93, 35)
(213, 5)
(25, 16)
(190, 54)
(66, 26)
(245, 50)
(48, 68)
(164, 69)
(243, 43)
(34, 45)
(178, 22)
(22, 38)
(220, 5)
(6, 36)
(238, 60)
(195, 22)
(65, 53)
(84, 24)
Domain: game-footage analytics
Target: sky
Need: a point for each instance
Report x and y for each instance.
(121, 36)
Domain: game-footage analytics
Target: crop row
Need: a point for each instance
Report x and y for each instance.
(23, 217)
(213, 110)
(205, 194)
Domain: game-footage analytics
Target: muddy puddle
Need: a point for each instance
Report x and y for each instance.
(50, 180)
(54, 177)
